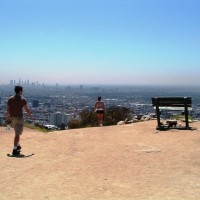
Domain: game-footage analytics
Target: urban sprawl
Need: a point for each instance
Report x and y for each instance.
(53, 105)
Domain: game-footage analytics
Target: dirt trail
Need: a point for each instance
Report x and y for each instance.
(118, 162)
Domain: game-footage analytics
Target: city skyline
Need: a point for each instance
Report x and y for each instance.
(145, 42)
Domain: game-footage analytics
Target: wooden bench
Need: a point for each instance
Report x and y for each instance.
(170, 103)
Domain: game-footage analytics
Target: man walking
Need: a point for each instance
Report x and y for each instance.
(15, 107)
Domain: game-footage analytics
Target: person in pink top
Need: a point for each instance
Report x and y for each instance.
(100, 110)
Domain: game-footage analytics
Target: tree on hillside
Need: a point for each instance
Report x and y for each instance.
(62, 126)
(115, 114)
(112, 116)
(74, 123)
(88, 118)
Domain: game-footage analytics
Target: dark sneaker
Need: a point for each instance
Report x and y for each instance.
(15, 152)
(19, 148)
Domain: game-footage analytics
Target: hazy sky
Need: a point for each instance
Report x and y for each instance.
(100, 41)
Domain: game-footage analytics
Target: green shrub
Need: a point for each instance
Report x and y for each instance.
(74, 124)
(116, 114)
(180, 117)
(36, 126)
(111, 117)
(88, 119)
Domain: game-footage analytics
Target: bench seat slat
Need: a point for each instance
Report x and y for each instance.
(172, 101)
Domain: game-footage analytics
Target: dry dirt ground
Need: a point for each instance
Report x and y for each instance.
(118, 162)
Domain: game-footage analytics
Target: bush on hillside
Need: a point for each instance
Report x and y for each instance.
(88, 118)
(74, 123)
(63, 126)
(181, 117)
(115, 114)
(36, 126)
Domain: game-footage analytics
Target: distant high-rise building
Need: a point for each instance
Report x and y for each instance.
(67, 118)
(11, 82)
(56, 118)
(59, 118)
(35, 103)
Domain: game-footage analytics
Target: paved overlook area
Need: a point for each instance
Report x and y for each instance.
(132, 161)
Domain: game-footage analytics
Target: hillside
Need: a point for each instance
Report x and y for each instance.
(118, 162)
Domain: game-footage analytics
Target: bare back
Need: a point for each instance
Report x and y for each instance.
(99, 104)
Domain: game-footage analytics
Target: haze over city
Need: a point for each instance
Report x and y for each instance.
(100, 42)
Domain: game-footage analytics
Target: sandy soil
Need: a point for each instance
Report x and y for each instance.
(119, 162)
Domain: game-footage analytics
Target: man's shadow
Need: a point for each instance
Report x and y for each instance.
(20, 155)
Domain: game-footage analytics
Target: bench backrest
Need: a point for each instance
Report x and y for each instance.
(172, 101)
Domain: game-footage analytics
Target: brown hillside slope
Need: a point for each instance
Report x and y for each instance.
(119, 162)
